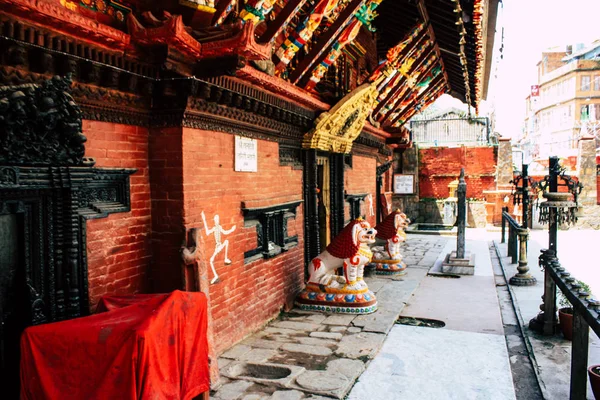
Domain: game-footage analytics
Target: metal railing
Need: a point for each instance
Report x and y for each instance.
(586, 312)
(517, 237)
(441, 132)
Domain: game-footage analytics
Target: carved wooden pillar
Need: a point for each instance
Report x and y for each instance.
(311, 209)
(337, 193)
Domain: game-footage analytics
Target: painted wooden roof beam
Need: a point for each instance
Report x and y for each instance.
(432, 97)
(396, 90)
(301, 75)
(281, 20)
(404, 90)
(434, 86)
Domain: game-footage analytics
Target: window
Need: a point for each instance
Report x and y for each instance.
(271, 230)
(584, 113)
(597, 83)
(585, 83)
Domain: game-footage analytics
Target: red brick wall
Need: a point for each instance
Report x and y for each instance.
(166, 178)
(361, 178)
(248, 294)
(118, 247)
(441, 165)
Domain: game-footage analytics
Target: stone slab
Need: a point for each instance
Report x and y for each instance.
(258, 355)
(306, 349)
(364, 344)
(256, 396)
(468, 303)
(297, 326)
(287, 395)
(232, 391)
(327, 335)
(223, 362)
(263, 343)
(412, 356)
(343, 320)
(313, 341)
(236, 351)
(381, 322)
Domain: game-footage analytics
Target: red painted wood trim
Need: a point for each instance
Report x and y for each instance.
(53, 15)
(280, 87)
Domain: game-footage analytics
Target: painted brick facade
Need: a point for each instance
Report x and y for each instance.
(361, 178)
(183, 172)
(248, 294)
(118, 247)
(441, 165)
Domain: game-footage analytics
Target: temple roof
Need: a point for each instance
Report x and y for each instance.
(396, 19)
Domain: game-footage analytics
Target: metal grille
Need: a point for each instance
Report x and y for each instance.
(440, 132)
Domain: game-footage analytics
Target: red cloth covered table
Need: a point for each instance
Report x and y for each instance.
(144, 347)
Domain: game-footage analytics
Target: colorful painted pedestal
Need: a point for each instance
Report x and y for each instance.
(389, 267)
(319, 298)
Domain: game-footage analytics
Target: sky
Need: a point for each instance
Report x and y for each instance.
(530, 27)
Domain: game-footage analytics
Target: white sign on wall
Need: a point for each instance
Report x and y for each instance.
(404, 184)
(246, 154)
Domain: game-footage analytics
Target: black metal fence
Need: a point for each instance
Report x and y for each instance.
(516, 235)
(586, 312)
(439, 132)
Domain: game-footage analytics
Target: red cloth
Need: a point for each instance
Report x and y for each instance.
(144, 347)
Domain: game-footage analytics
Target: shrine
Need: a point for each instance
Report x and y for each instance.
(229, 147)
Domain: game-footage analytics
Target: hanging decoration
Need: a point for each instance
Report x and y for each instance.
(303, 33)
(463, 58)
(364, 17)
(478, 15)
(256, 10)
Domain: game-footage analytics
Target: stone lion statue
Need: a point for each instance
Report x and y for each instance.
(350, 250)
(391, 229)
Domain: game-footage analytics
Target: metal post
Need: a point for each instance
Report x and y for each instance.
(553, 186)
(525, 197)
(523, 277)
(461, 192)
(504, 209)
(579, 357)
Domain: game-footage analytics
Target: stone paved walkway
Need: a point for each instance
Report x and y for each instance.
(325, 352)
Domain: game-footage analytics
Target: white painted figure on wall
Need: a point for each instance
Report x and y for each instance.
(220, 244)
(370, 200)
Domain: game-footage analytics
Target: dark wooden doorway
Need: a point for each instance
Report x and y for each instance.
(47, 192)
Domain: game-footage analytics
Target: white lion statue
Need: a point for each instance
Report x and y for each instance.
(350, 250)
(391, 229)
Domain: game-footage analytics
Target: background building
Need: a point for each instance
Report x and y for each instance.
(565, 103)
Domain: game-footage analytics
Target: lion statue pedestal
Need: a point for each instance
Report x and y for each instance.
(387, 259)
(328, 292)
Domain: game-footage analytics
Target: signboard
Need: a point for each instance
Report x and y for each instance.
(246, 154)
(404, 184)
(535, 90)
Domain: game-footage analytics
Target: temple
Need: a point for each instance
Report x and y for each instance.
(245, 133)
